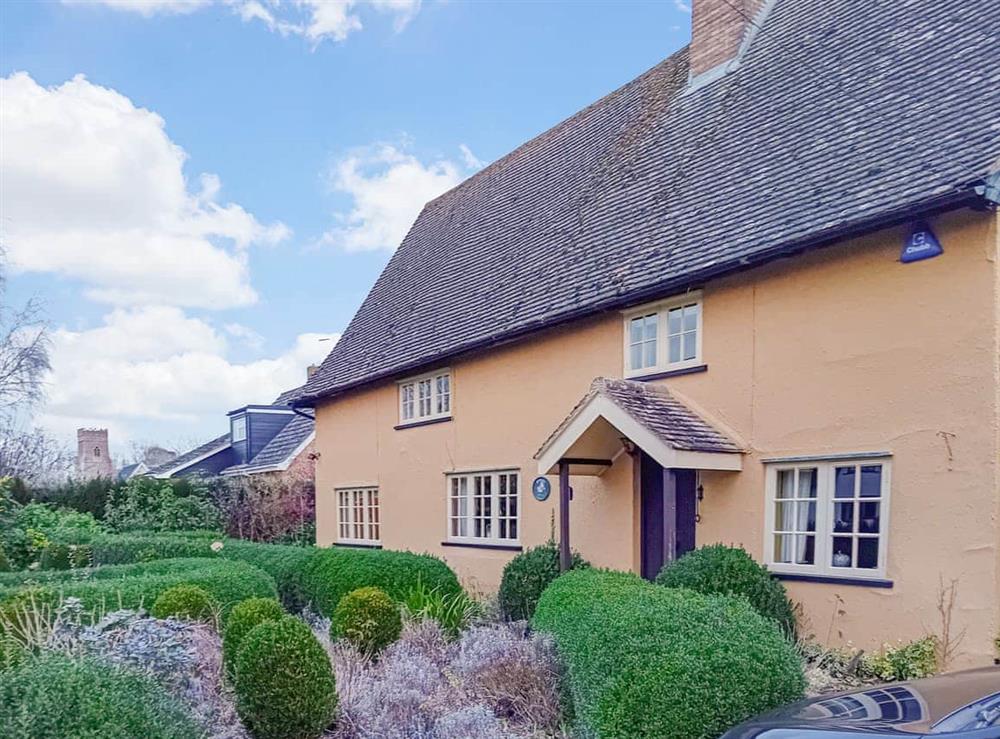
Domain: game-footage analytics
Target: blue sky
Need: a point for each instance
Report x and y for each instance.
(322, 127)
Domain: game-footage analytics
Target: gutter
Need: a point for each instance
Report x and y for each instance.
(979, 194)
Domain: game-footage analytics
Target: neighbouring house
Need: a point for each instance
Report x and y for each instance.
(270, 439)
(153, 456)
(751, 297)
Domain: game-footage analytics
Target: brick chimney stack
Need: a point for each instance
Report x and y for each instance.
(311, 370)
(718, 28)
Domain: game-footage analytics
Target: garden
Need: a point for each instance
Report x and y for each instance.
(150, 621)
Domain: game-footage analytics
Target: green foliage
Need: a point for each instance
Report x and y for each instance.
(54, 695)
(58, 556)
(139, 585)
(731, 571)
(87, 496)
(909, 661)
(27, 531)
(647, 661)
(184, 601)
(284, 563)
(4, 564)
(368, 618)
(525, 578)
(151, 504)
(284, 682)
(242, 620)
(330, 574)
(453, 611)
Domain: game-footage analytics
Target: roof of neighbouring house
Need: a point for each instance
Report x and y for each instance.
(839, 117)
(285, 445)
(276, 454)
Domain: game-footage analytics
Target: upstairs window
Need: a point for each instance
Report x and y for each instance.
(425, 398)
(828, 518)
(239, 428)
(663, 337)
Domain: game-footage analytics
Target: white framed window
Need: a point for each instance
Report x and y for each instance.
(358, 520)
(828, 517)
(425, 398)
(664, 336)
(484, 507)
(239, 428)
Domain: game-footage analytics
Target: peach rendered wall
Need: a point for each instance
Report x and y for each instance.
(841, 350)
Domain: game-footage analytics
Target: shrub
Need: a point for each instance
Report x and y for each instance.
(368, 618)
(152, 504)
(54, 694)
(284, 682)
(731, 571)
(4, 564)
(453, 611)
(284, 563)
(139, 585)
(243, 618)
(647, 661)
(526, 576)
(58, 556)
(185, 602)
(330, 574)
(909, 661)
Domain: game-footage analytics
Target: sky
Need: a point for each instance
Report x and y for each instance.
(201, 192)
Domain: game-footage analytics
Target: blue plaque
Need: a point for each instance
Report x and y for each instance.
(541, 488)
(921, 244)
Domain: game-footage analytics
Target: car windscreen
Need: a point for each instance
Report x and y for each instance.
(979, 715)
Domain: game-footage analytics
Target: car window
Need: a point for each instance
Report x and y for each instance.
(979, 715)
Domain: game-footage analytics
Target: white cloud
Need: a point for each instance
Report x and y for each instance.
(470, 159)
(156, 364)
(245, 334)
(388, 187)
(94, 189)
(316, 20)
(681, 5)
(148, 7)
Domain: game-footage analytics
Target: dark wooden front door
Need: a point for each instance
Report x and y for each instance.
(667, 515)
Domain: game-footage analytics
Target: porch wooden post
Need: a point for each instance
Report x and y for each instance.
(669, 515)
(564, 556)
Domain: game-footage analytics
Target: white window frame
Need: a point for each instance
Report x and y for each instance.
(352, 501)
(239, 422)
(412, 397)
(661, 309)
(825, 502)
(469, 516)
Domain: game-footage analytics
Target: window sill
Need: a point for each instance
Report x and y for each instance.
(356, 545)
(670, 373)
(427, 422)
(862, 582)
(476, 545)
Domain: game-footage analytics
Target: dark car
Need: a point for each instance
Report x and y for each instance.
(963, 705)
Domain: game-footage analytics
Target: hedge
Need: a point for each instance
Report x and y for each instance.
(139, 585)
(648, 661)
(55, 695)
(333, 573)
(282, 562)
(731, 571)
(525, 578)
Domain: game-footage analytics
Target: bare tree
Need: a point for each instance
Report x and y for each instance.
(34, 456)
(24, 353)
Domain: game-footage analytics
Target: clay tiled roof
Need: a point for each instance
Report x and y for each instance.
(841, 116)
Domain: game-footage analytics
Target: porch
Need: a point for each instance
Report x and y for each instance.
(668, 443)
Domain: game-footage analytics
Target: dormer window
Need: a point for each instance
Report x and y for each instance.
(425, 398)
(239, 429)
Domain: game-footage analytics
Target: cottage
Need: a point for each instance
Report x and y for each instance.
(751, 297)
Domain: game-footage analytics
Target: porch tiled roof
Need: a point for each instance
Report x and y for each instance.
(842, 116)
(663, 414)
